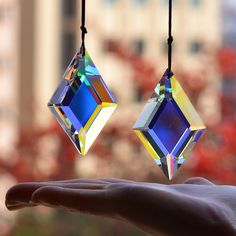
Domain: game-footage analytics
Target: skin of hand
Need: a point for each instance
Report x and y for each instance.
(194, 208)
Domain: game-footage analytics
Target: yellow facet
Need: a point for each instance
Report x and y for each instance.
(186, 106)
(146, 144)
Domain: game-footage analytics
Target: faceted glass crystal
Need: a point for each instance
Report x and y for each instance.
(82, 103)
(169, 126)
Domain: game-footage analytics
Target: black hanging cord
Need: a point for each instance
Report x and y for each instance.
(82, 27)
(170, 38)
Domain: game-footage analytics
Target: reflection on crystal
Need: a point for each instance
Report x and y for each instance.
(169, 126)
(82, 103)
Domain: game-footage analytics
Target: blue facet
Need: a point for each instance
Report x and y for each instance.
(156, 142)
(67, 97)
(83, 104)
(58, 93)
(182, 142)
(168, 125)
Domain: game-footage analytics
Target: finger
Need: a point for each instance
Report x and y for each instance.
(18, 206)
(81, 185)
(198, 181)
(112, 180)
(81, 180)
(22, 193)
(98, 180)
(82, 200)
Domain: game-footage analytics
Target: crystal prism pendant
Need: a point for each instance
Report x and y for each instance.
(169, 126)
(82, 103)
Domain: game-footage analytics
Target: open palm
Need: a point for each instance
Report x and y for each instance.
(197, 207)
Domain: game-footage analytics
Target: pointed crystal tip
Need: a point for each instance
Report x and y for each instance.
(82, 103)
(169, 126)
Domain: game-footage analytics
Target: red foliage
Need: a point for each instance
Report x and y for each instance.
(214, 154)
(227, 62)
(24, 167)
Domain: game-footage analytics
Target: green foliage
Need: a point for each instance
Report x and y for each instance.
(62, 223)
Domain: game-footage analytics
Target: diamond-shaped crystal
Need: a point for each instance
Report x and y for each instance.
(169, 126)
(82, 103)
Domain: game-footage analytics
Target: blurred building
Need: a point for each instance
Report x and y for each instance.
(39, 38)
(31, 60)
(9, 79)
(141, 25)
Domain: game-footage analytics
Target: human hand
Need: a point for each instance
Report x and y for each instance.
(197, 207)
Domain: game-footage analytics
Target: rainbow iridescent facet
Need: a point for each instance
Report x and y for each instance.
(82, 103)
(169, 126)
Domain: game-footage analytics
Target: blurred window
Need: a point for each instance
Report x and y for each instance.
(68, 48)
(69, 7)
(195, 3)
(110, 1)
(139, 2)
(138, 46)
(195, 47)
(138, 95)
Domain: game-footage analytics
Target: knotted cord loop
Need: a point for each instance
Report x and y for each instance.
(83, 28)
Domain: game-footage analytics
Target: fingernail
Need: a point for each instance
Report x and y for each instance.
(15, 206)
(14, 203)
(19, 204)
